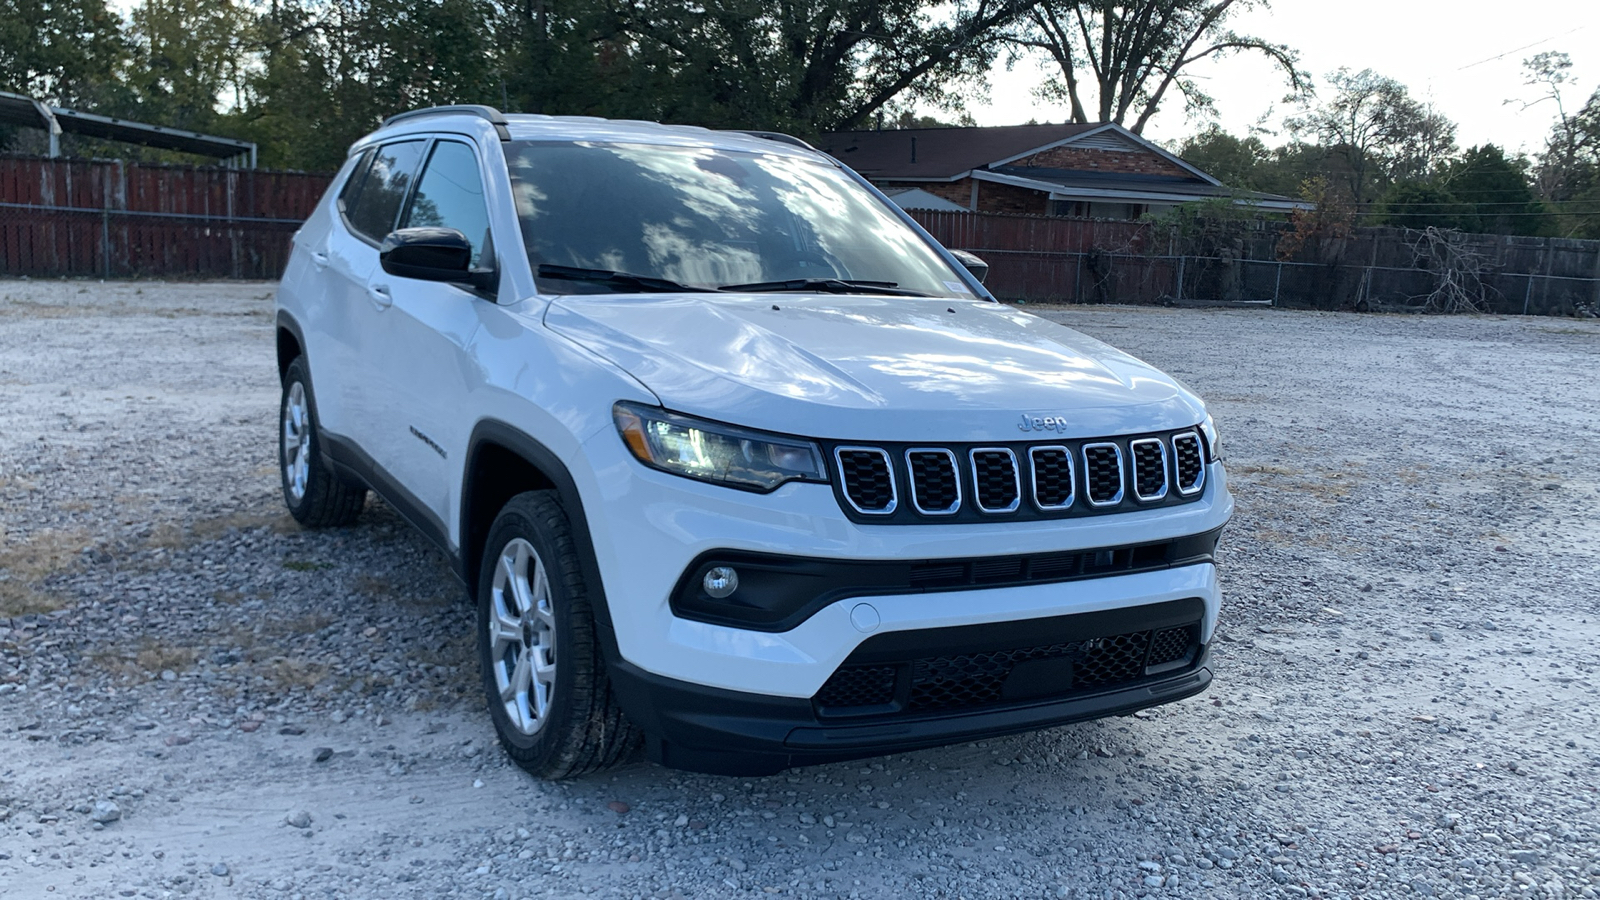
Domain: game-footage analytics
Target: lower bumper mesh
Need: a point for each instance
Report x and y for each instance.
(967, 680)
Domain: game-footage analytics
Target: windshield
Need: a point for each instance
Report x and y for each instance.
(699, 218)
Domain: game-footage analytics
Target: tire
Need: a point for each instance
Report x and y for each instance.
(543, 675)
(316, 497)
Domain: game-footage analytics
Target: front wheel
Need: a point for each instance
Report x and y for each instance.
(551, 703)
(316, 497)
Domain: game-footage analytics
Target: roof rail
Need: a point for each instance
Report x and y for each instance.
(489, 113)
(780, 137)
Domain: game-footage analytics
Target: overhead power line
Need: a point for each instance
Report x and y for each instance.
(1522, 48)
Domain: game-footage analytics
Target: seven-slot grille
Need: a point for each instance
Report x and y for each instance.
(1070, 478)
(996, 484)
(935, 483)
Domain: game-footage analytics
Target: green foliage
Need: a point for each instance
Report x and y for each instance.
(1420, 204)
(1495, 193)
(1379, 134)
(68, 52)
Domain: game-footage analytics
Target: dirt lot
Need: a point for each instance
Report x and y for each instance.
(197, 699)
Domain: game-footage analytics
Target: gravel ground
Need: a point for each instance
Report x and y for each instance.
(197, 699)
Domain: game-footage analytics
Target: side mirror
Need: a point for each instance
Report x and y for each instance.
(433, 254)
(978, 268)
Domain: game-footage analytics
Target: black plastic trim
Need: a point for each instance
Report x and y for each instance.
(493, 431)
(349, 461)
(704, 729)
(777, 593)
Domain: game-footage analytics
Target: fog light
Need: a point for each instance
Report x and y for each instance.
(720, 581)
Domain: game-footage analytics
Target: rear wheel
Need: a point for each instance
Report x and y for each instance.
(543, 674)
(316, 497)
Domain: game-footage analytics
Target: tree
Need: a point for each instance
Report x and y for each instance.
(1495, 192)
(1422, 204)
(187, 55)
(62, 51)
(1236, 162)
(1119, 61)
(1377, 131)
(810, 65)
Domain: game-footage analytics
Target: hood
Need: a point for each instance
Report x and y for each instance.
(851, 367)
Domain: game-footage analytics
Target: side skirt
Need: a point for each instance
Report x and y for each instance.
(350, 462)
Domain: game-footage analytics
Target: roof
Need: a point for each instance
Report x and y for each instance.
(1064, 184)
(19, 109)
(537, 127)
(943, 154)
(917, 198)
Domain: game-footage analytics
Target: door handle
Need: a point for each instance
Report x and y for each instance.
(320, 260)
(379, 295)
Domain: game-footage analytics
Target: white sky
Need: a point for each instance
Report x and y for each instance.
(1431, 46)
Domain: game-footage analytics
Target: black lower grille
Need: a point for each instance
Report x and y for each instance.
(962, 680)
(1171, 644)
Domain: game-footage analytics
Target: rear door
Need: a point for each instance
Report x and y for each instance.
(421, 371)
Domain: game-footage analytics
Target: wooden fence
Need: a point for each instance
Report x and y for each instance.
(113, 219)
(108, 218)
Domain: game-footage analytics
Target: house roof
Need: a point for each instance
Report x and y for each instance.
(987, 154)
(917, 198)
(942, 154)
(19, 109)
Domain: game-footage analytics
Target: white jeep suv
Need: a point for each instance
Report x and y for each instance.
(738, 463)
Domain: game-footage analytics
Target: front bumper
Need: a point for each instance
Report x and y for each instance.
(671, 521)
(704, 729)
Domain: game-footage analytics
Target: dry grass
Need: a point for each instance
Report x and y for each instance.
(172, 536)
(149, 657)
(25, 563)
(1327, 483)
(289, 673)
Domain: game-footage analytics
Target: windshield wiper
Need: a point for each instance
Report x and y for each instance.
(825, 286)
(617, 279)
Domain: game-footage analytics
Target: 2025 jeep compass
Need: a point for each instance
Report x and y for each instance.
(737, 461)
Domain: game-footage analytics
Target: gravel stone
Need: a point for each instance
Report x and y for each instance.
(1388, 471)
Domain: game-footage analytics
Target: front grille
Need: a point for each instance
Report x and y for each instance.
(1052, 477)
(868, 480)
(935, 483)
(902, 484)
(996, 484)
(1191, 468)
(1102, 473)
(964, 680)
(1149, 469)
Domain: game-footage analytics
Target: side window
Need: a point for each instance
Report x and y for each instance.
(450, 195)
(352, 186)
(384, 188)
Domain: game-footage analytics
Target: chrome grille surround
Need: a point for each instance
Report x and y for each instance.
(1091, 472)
(955, 481)
(1072, 486)
(888, 465)
(978, 479)
(1138, 469)
(1180, 443)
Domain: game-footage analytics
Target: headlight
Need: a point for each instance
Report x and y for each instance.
(714, 452)
(1209, 429)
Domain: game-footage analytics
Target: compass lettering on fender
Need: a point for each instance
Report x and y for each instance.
(1056, 424)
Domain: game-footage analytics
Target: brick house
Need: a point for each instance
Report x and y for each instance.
(1100, 171)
